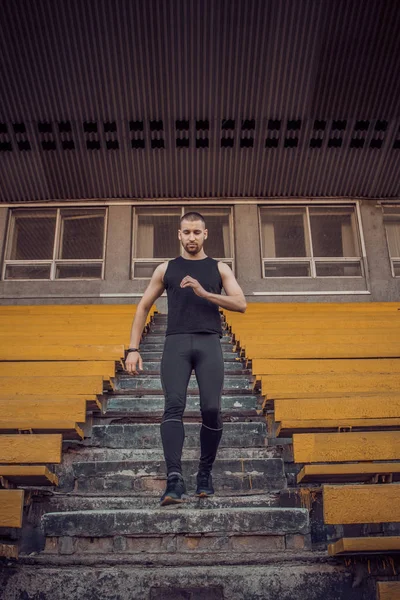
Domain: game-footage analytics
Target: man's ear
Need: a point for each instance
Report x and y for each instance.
(205, 234)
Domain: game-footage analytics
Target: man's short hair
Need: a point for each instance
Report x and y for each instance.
(193, 216)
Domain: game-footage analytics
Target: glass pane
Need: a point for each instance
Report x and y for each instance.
(92, 271)
(27, 272)
(157, 232)
(272, 269)
(32, 235)
(333, 232)
(82, 234)
(352, 269)
(396, 269)
(392, 225)
(145, 269)
(218, 243)
(282, 233)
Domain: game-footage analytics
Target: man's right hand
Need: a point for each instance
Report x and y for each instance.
(133, 363)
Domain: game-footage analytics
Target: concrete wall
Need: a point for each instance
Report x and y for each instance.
(117, 287)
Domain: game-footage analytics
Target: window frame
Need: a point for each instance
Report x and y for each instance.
(393, 259)
(54, 261)
(183, 209)
(311, 260)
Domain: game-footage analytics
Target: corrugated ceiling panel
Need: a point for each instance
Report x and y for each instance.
(113, 62)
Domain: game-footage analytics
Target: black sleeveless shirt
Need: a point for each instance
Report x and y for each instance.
(187, 312)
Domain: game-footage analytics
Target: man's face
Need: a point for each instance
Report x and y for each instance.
(192, 235)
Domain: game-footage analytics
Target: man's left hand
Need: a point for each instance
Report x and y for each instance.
(195, 285)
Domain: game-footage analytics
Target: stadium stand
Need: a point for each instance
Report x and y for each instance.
(55, 362)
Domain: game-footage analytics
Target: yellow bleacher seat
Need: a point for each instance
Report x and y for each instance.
(28, 475)
(30, 448)
(21, 385)
(365, 545)
(388, 590)
(11, 508)
(351, 504)
(349, 472)
(346, 446)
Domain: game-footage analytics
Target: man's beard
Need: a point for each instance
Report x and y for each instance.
(194, 250)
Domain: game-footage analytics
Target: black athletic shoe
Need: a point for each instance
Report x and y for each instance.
(174, 491)
(204, 485)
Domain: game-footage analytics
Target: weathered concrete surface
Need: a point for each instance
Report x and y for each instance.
(241, 383)
(125, 404)
(61, 503)
(195, 545)
(234, 475)
(98, 523)
(272, 468)
(283, 581)
(148, 435)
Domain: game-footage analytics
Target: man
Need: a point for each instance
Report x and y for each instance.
(193, 283)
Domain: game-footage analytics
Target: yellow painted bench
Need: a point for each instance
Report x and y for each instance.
(44, 408)
(69, 339)
(92, 384)
(30, 448)
(287, 428)
(366, 545)
(359, 407)
(312, 415)
(69, 429)
(312, 338)
(275, 386)
(352, 504)
(388, 590)
(105, 368)
(350, 472)
(321, 350)
(346, 446)
(17, 352)
(11, 508)
(312, 366)
(91, 402)
(28, 475)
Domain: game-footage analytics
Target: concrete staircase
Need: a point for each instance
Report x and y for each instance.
(107, 537)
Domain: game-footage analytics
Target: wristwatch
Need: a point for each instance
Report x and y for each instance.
(132, 350)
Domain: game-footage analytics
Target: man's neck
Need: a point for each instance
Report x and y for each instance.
(198, 256)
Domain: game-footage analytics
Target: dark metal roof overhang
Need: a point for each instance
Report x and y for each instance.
(199, 98)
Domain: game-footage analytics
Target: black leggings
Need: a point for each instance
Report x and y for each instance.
(182, 353)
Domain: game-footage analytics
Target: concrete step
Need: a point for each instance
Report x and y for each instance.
(79, 501)
(89, 453)
(230, 476)
(118, 405)
(180, 576)
(235, 435)
(218, 523)
(236, 383)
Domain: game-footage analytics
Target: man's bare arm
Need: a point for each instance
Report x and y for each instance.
(153, 291)
(234, 299)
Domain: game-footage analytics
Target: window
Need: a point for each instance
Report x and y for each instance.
(310, 241)
(391, 219)
(55, 244)
(156, 236)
